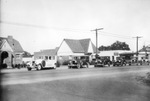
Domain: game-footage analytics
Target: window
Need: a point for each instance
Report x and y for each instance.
(49, 57)
(17, 56)
(46, 57)
(53, 57)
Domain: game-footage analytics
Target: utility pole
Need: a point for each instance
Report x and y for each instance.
(137, 37)
(96, 30)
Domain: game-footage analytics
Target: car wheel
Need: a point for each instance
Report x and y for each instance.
(78, 66)
(39, 67)
(29, 69)
(87, 66)
(54, 67)
(69, 67)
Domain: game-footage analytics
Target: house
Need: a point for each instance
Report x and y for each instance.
(70, 48)
(144, 53)
(10, 52)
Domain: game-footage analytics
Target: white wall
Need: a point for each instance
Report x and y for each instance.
(6, 47)
(64, 50)
(90, 48)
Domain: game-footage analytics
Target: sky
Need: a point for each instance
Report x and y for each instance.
(43, 24)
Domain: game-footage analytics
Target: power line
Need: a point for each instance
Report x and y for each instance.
(115, 35)
(43, 27)
(67, 29)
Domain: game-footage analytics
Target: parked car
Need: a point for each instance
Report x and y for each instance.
(119, 62)
(99, 63)
(31, 65)
(39, 64)
(78, 64)
(128, 62)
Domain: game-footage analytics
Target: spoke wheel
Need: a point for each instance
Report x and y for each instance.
(78, 66)
(39, 67)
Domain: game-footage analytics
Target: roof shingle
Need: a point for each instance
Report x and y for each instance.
(79, 46)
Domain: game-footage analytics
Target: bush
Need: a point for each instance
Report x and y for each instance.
(57, 64)
(66, 62)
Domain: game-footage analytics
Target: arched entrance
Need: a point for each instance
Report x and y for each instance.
(4, 55)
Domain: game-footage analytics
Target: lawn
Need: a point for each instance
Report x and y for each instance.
(120, 87)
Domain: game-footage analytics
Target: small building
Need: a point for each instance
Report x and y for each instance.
(144, 53)
(70, 48)
(113, 54)
(10, 52)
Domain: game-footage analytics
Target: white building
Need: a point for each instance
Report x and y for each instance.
(70, 48)
(10, 52)
(113, 54)
(144, 53)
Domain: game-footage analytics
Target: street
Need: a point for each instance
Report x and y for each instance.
(87, 84)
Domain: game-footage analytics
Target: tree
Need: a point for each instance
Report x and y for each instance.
(115, 46)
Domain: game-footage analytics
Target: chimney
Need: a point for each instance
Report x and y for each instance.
(10, 39)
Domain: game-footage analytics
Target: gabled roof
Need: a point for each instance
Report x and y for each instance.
(85, 44)
(79, 46)
(14, 44)
(145, 49)
(75, 45)
(2, 41)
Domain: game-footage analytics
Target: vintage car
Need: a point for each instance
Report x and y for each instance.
(30, 65)
(78, 64)
(99, 63)
(117, 63)
(40, 64)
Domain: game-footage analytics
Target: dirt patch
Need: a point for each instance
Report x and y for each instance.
(144, 79)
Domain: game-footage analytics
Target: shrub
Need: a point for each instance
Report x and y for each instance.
(66, 62)
(57, 64)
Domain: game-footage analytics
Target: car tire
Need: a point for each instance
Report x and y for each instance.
(69, 67)
(78, 66)
(29, 69)
(39, 67)
(87, 66)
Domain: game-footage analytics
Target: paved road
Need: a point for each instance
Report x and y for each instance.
(10, 77)
(88, 84)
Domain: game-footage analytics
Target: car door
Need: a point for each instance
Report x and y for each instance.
(50, 62)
